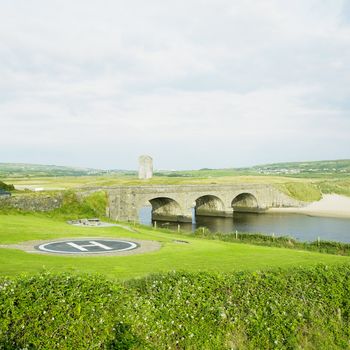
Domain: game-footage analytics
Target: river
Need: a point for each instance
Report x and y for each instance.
(299, 226)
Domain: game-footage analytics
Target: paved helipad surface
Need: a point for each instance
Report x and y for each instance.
(87, 246)
(92, 246)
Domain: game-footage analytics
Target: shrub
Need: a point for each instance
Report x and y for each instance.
(73, 206)
(303, 308)
(6, 187)
(61, 312)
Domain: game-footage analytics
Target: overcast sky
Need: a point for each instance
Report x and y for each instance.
(193, 83)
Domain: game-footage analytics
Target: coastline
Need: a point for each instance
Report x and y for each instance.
(331, 205)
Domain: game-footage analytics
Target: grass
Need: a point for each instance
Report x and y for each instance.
(66, 182)
(305, 189)
(198, 255)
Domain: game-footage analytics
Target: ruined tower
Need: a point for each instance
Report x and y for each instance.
(145, 167)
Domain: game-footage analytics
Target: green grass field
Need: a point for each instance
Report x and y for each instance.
(304, 189)
(198, 255)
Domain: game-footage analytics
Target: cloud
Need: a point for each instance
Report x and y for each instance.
(195, 83)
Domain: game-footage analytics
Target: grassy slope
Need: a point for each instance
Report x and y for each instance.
(199, 255)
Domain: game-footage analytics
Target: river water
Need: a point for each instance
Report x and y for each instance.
(299, 226)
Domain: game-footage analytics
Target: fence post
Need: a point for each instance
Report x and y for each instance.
(236, 234)
(178, 227)
(155, 224)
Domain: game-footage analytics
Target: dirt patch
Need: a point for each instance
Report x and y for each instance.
(143, 247)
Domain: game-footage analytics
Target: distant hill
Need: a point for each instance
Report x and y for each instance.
(341, 166)
(38, 170)
(25, 170)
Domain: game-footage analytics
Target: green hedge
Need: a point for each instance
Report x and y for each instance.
(293, 309)
(61, 312)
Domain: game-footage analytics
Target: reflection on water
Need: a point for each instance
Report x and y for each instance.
(301, 227)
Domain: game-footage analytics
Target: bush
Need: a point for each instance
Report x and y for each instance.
(304, 308)
(284, 309)
(74, 207)
(62, 312)
(6, 187)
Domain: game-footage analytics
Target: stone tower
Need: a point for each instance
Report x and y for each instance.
(145, 167)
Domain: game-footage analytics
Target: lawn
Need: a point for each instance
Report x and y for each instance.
(198, 255)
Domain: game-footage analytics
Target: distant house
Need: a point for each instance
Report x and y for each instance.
(4, 194)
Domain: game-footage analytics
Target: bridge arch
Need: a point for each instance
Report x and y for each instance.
(165, 208)
(245, 202)
(209, 205)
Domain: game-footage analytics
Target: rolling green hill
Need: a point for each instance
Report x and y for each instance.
(314, 168)
(340, 168)
(39, 170)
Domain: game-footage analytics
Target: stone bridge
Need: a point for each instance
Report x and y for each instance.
(182, 202)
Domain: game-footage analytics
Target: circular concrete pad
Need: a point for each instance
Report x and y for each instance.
(87, 246)
(120, 246)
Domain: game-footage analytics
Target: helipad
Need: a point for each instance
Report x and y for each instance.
(87, 246)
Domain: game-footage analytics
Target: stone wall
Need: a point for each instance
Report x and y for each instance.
(28, 202)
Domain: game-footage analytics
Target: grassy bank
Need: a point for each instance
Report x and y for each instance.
(293, 309)
(328, 247)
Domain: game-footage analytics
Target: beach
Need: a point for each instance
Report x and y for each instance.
(331, 205)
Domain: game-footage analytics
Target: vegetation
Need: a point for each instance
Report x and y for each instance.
(307, 192)
(305, 181)
(298, 169)
(73, 207)
(328, 247)
(341, 187)
(6, 187)
(35, 170)
(299, 308)
(307, 169)
(201, 291)
(60, 312)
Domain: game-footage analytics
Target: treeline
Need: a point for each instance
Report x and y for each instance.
(291, 309)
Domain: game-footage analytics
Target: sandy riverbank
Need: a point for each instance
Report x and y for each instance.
(331, 205)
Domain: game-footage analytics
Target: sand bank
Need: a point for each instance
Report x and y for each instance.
(331, 205)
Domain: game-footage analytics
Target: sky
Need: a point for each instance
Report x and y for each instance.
(193, 83)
